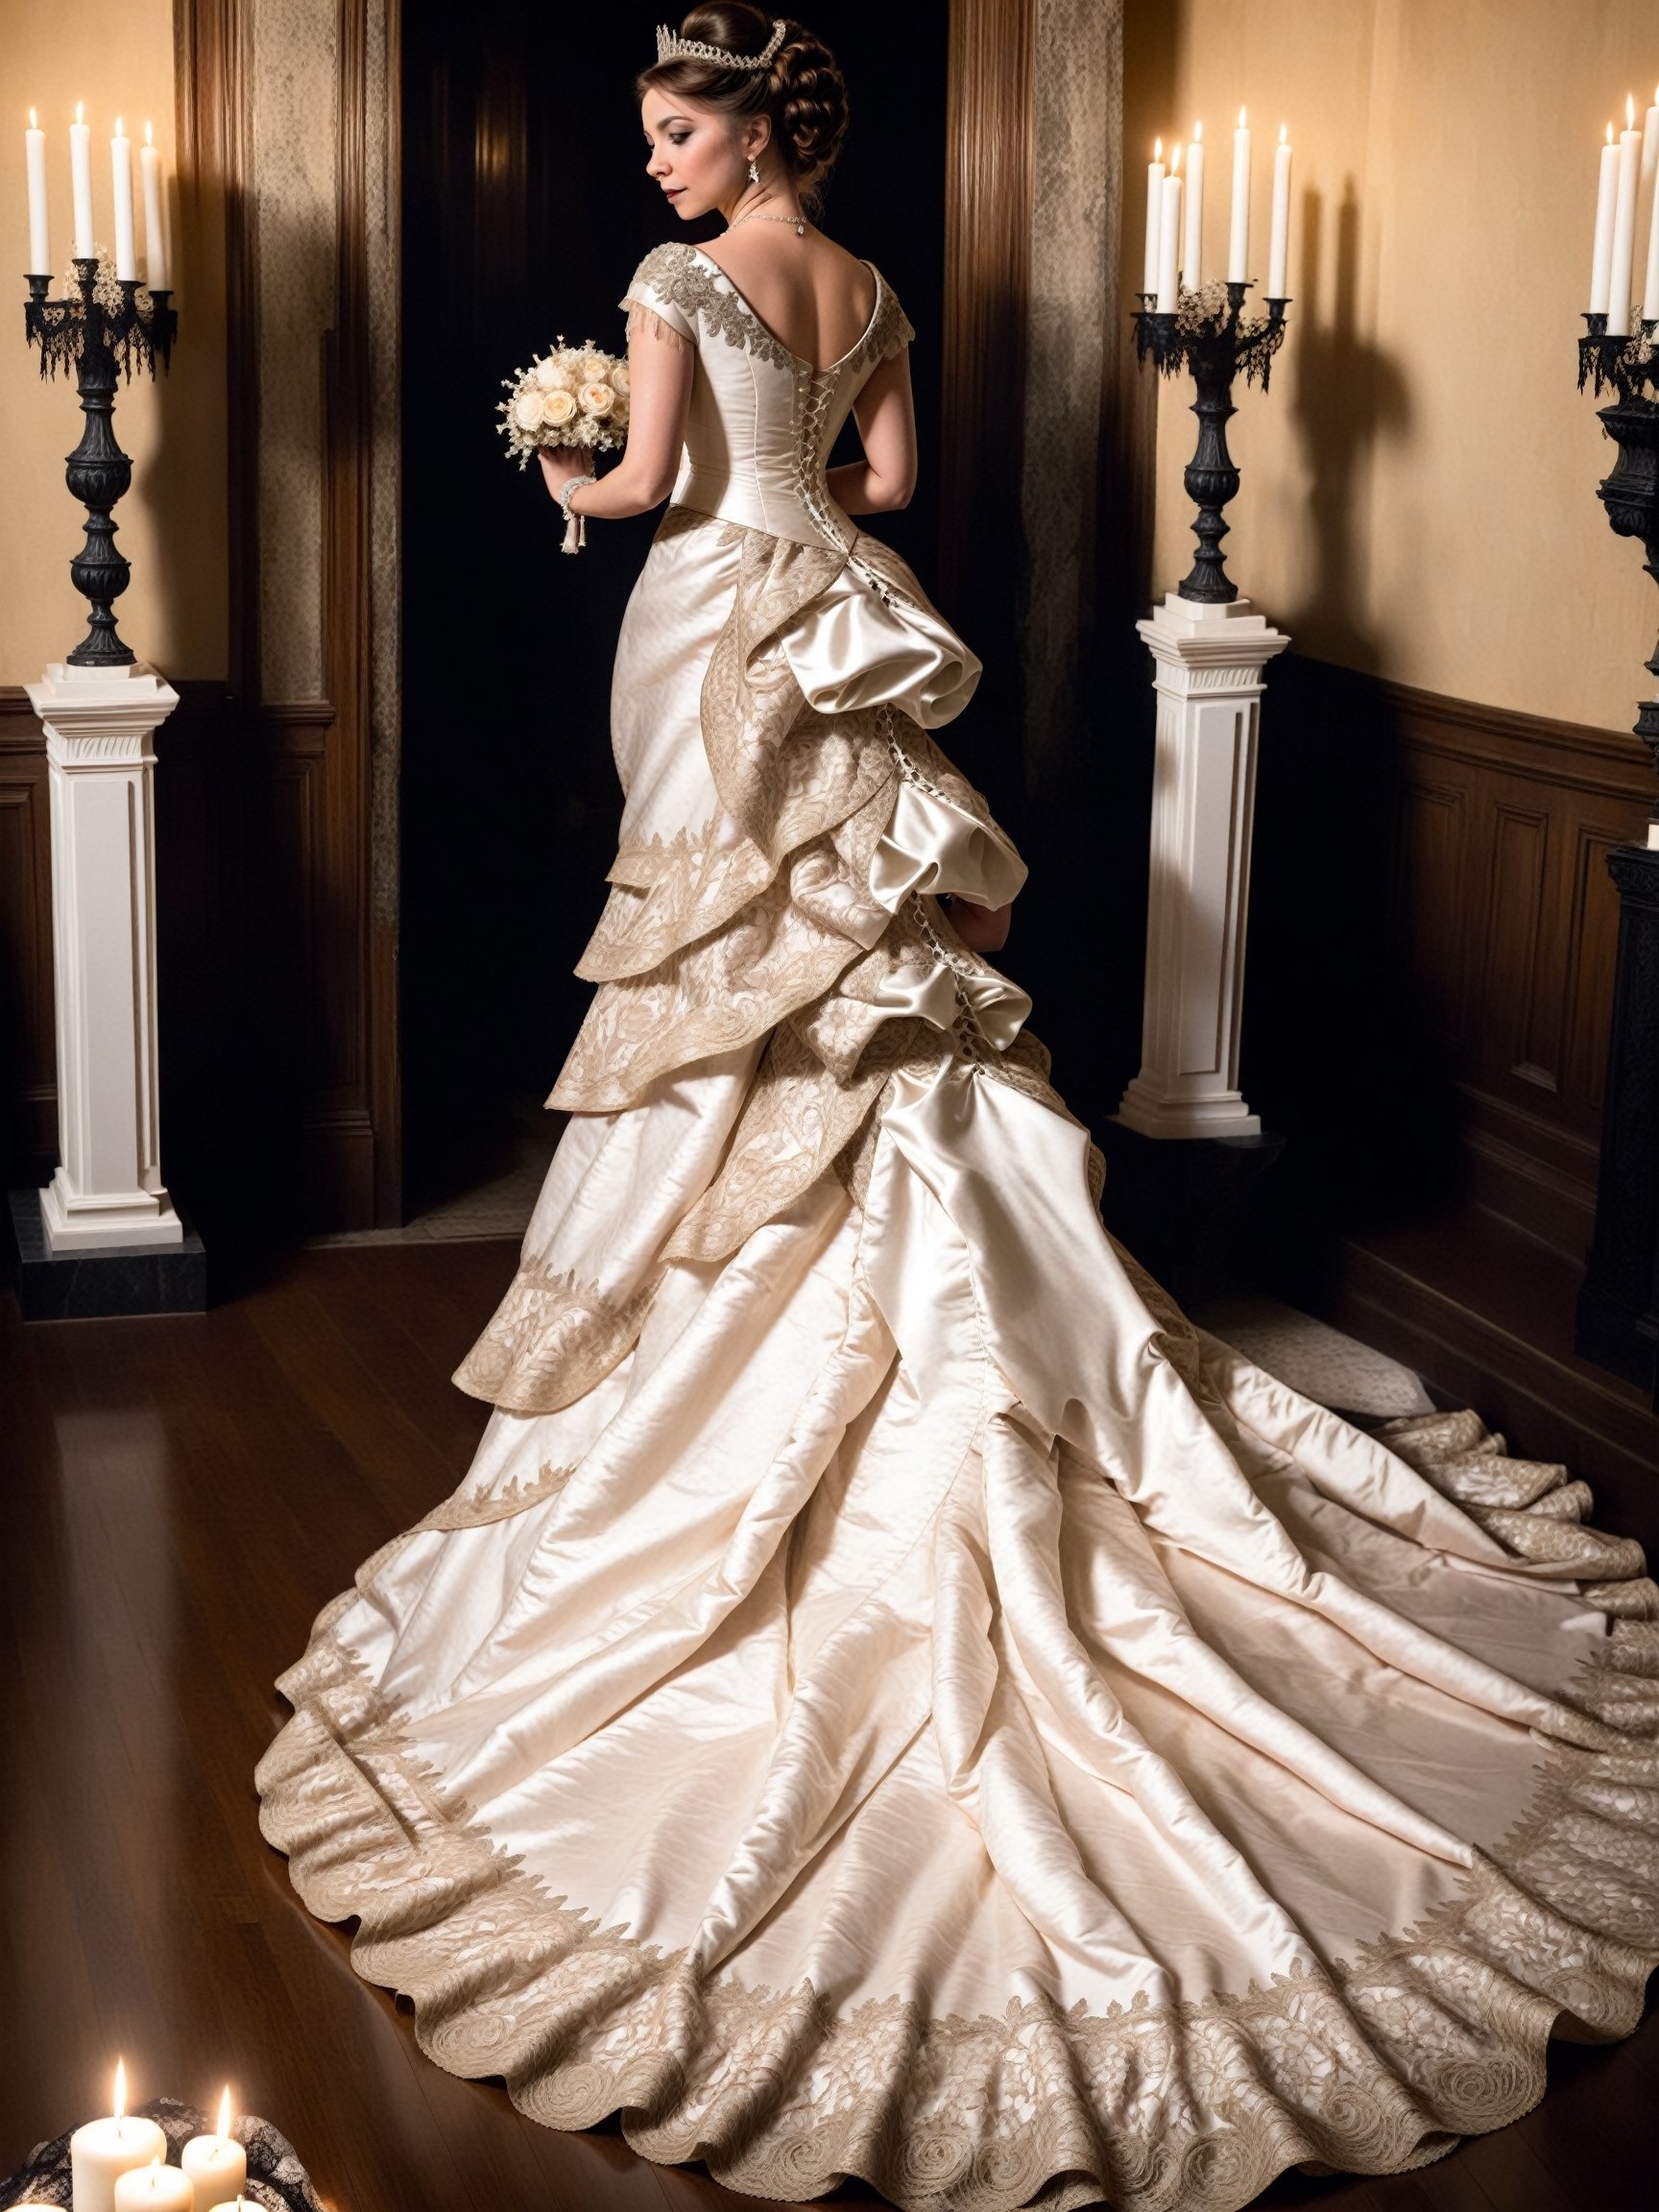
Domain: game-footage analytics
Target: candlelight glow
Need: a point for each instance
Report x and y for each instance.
(225, 2112)
(120, 2106)
(1175, 158)
(1283, 134)
(118, 125)
(1240, 118)
(1197, 132)
(1157, 148)
(1609, 133)
(1629, 110)
(80, 110)
(149, 136)
(32, 123)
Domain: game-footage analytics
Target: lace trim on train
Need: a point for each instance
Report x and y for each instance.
(550, 1341)
(1374, 2067)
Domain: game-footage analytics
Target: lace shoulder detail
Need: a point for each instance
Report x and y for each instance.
(890, 330)
(683, 288)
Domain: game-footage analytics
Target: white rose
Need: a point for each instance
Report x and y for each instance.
(557, 408)
(621, 383)
(597, 399)
(527, 410)
(553, 376)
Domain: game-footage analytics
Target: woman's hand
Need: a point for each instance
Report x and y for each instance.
(981, 929)
(560, 464)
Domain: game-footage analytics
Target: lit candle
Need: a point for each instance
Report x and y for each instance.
(1279, 245)
(1193, 250)
(155, 2188)
(217, 2164)
(1154, 215)
(1622, 270)
(156, 274)
(1651, 286)
(1602, 255)
(1239, 237)
(103, 2151)
(1169, 240)
(121, 172)
(81, 181)
(1650, 142)
(34, 155)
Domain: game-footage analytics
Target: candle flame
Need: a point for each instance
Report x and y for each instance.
(118, 125)
(1197, 132)
(1283, 134)
(1629, 110)
(225, 2112)
(32, 123)
(80, 110)
(1157, 148)
(1175, 158)
(120, 2106)
(1609, 133)
(1240, 118)
(149, 136)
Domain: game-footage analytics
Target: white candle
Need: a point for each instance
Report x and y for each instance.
(1650, 142)
(1169, 240)
(81, 181)
(217, 2164)
(1651, 284)
(120, 174)
(1278, 244)
(156, 274)
(1238, 236)
(1602, 254)
(155, 2188)
(1622, 270)
(35, 158)
(1193, 250)
(103, 2151)
(241, 2205)
(1154, 215)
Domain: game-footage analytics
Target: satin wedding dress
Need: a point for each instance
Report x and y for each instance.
(890, 1698)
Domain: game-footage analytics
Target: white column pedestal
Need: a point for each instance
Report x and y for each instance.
(1208, 677)
(100, 729)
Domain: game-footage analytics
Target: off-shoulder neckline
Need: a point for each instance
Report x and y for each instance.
(829, 368)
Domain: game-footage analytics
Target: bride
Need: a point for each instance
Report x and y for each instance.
(890, 1698)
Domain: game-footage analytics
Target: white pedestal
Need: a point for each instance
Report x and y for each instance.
(1209, 663)
(100, 729)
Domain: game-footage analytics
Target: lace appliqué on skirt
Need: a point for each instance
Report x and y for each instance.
(549, 1341)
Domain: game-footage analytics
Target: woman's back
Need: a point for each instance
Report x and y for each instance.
(813, 296)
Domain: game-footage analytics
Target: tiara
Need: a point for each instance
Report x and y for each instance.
(671, 47)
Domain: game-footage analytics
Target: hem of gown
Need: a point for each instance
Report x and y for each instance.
(1377, 2066)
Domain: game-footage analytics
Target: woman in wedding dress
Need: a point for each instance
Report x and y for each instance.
(890, 1698)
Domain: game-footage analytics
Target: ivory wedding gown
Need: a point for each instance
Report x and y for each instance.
(890, 1699)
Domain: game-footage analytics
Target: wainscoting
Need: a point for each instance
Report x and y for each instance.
(1430, 986)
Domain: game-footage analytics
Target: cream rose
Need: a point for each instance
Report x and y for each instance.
(591, 363)
(557, 408)
(597, 399)
(553, 376)
(621, 383)
(527, 410)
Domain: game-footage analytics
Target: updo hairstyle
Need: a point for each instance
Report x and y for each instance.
(804, 92)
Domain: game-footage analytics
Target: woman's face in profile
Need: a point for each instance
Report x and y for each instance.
(694, 153)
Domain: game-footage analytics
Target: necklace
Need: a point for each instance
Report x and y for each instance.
(798, 221)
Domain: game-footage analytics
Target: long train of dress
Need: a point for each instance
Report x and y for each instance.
(890, 1699)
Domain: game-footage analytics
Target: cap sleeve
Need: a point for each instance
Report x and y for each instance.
(657, 287)
(890, 330)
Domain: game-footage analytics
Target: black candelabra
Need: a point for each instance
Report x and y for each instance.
(1207, 334)
(1630, 494)
(104, 330)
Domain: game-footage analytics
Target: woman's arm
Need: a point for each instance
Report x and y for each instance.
(885, 414)
(660, 372)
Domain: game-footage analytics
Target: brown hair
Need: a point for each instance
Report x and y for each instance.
(804, 92)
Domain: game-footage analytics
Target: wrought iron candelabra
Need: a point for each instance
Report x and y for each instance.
(1208, 334)
(1630, 494)
(108, 327)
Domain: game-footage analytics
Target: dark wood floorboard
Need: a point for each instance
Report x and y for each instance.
(180, 1497)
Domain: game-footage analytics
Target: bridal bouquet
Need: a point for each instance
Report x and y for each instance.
(571, 396)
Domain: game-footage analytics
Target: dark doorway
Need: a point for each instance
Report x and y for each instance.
(525, 210)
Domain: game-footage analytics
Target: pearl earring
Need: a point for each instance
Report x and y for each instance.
(754, 172)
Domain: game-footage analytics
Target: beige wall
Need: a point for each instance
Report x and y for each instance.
(1419, 485)
(118, 59)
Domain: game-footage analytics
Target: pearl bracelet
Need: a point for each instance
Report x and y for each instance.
(576, 536)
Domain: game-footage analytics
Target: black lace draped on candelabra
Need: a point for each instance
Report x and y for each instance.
(104, 327)
(1631, 493)
(1210, 335)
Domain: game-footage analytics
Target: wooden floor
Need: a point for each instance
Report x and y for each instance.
(180, 1497)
